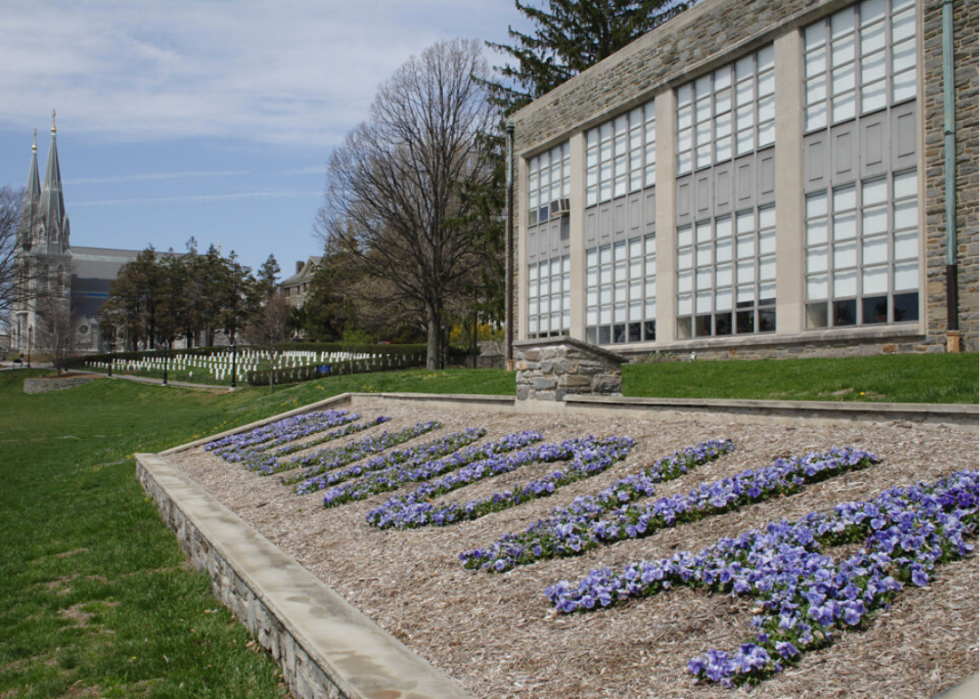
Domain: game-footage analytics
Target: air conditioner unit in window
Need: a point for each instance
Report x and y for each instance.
(560, 207)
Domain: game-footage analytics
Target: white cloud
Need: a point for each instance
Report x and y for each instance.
(291, 72)
(200, 198)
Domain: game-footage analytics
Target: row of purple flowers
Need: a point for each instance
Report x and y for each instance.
(396, 476)
(804, 595)
(329, 459)
(589, 456)
(421, 453)
(588, 523)
(233, 447)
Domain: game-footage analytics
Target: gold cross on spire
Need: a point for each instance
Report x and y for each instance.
(34, 147)
(54, 129)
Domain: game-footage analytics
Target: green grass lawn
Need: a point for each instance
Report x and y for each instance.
(923, 378)
(95, 593)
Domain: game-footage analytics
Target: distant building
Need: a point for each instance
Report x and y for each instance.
(79, 277)
(297, 286)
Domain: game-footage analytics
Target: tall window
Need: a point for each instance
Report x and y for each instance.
(859, 60)
(621, 292)
(620, 155)
(862, 253)
(727, 113)
(726, 275)
(549, 178)
(549, 297)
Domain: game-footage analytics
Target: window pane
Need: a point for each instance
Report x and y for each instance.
(845, 283)
(906, 276)
(875, 280)
(875, 251)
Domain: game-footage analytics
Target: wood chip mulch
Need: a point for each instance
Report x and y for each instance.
(498, 636)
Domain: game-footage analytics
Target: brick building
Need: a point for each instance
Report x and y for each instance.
(756, 178)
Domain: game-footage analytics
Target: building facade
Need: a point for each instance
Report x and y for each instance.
(75, 279)
(756, 178)
(297, 286)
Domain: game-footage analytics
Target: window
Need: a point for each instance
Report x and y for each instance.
(862, 253)
(620, 155)
(726, 275)
(549, 177)
(859, 60)
(549, 297)
(727, 113)
(621, 292)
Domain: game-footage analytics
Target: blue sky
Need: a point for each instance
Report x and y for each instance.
(206, 118)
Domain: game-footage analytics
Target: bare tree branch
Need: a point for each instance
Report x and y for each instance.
(393, 199)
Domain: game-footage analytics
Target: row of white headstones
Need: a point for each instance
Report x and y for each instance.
(219, 365)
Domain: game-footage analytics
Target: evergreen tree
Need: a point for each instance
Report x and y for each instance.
(267, 278)
(570, 36)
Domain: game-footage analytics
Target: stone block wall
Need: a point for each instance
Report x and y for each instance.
(552, 368)
(967, 114)
(43, 385)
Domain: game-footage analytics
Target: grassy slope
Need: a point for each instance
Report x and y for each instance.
(94, 591)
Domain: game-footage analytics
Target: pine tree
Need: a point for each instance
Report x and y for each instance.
(570, 36)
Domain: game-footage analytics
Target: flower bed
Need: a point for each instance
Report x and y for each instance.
(576, 530)
(803, 593)
(562, 532)
(419, 454)
(395, 477)
(233, 447)
(330, 436)
(589, 457)
(328, 459)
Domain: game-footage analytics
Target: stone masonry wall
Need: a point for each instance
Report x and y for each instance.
(967, 114)
(551, 369)
(305, 679)
(43, 385)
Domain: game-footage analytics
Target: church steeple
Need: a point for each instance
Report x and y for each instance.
(52, 200)
(32, 201)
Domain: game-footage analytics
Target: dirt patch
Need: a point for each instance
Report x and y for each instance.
(67, 554)
(498, 636)
(77, 614)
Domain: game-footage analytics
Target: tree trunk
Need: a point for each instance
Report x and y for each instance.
(433, 349)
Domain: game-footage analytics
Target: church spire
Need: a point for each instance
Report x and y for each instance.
(32, 201)
(52, 199)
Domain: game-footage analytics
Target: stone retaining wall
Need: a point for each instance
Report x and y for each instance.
(325, 646)
(45, 385)
(555, 367)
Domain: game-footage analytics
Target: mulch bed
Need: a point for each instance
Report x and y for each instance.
(498, 636)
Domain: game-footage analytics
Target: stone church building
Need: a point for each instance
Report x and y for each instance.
(76, 278)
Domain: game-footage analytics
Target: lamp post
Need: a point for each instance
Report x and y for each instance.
(234, 353)
(166, 361)
(30, 343)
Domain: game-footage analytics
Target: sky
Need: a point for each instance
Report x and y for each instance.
(211, 119)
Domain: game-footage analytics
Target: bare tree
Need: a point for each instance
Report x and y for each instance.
(394, 199)
(268, 330)
(14, 281)
(56, 331)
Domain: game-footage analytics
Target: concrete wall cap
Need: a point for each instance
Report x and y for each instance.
(571, 342)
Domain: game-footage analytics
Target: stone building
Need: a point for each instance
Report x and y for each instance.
(75, 278)
(757, 178)
(298, 286)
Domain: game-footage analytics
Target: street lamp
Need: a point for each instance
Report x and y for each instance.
(234, 353)
(166, 362)
(30, 343)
